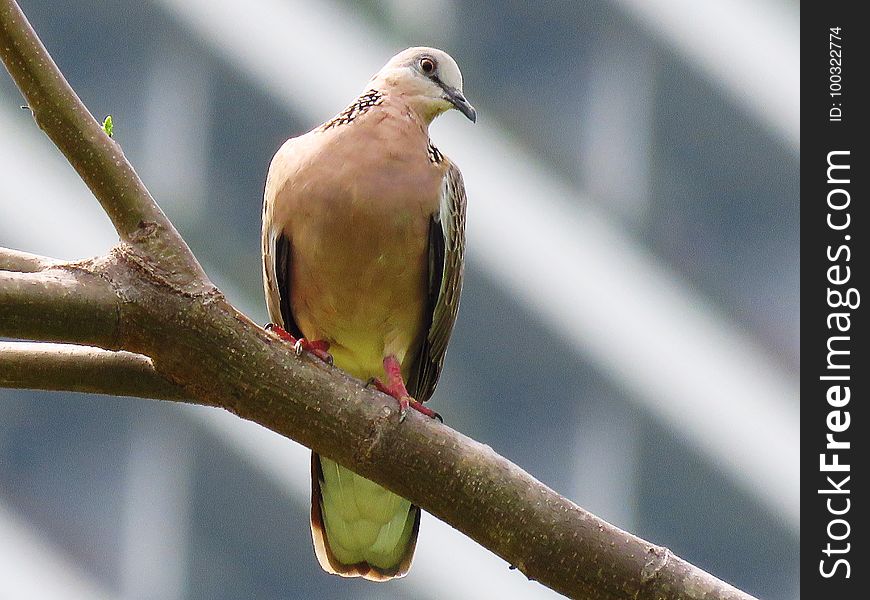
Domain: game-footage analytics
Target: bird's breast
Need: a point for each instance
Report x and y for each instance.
(359, 274)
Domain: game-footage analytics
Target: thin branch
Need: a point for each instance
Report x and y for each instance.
(61, 304)
(43, 366)
(24, 262)
(97, 157)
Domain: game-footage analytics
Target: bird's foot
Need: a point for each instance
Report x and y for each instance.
(395, 387)
(319, 348)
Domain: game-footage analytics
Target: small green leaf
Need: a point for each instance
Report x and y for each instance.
(108, 126)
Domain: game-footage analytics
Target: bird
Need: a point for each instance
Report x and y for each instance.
(363, 247)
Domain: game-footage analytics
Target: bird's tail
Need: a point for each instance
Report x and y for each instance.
(359, 528)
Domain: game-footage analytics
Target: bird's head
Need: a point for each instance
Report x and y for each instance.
(429, 80)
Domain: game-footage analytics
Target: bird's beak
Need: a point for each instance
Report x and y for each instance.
(457, 99)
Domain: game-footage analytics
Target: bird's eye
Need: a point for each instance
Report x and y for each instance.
(427, 65)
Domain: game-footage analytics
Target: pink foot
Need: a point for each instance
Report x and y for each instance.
(395, 387)
(319, 348)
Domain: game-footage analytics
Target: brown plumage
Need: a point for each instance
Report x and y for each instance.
(363, 241)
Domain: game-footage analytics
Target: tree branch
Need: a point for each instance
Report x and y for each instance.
(167, 310)
(42, 366)
(60, 304)
(96, 157)
(24, 262)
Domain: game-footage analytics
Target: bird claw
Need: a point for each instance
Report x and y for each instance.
(279, 331)
(396, 388)
(319, 348)
(404, 403)
(418, 406)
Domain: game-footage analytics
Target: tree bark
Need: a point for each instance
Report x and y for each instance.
(23, 262)
(150, 297)
(45, 366)
(62, 304)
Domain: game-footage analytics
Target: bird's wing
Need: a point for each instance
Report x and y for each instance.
(276, 265)
(446, 262)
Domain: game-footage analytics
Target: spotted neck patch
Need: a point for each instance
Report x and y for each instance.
(357, 107)
(435, 155)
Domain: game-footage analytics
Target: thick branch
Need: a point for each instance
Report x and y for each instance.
(41, 366)
(219, 357)
(97, 157)
(61, 304)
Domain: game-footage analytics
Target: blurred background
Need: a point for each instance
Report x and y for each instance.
(629, 325)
